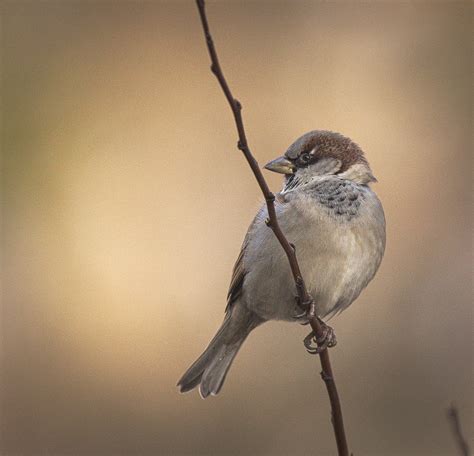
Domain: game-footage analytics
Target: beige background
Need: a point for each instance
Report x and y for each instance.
(125, 202)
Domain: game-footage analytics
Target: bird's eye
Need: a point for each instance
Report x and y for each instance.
(306, 157)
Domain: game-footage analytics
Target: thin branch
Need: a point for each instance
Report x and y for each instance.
(455, 422)
(272, 222)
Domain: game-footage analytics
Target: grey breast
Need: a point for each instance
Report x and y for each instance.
(344, 242)
(338, 247)
(341, 198)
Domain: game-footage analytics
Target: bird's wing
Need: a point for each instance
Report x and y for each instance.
(238, 275)
(239, 272)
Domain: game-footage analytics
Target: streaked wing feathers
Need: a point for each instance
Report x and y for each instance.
(238, 275)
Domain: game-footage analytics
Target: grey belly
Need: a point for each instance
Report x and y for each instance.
(337, 258)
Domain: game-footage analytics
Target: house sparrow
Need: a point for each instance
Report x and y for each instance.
(328, 211)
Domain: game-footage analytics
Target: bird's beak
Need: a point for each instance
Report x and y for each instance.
(280, 165)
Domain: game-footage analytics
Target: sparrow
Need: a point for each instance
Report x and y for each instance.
(336, 222)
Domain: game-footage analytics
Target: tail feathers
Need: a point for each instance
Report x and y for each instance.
(186, 384)
(214, 375)
(211, 368)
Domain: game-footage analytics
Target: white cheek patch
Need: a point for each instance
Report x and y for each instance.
(359, 173)
(325, 166)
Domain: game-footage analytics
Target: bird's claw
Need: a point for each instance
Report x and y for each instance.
(305, 306)
(316, 345)
(301, 318)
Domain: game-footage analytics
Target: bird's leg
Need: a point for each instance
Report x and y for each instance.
(306, 306)
(327, 339)
(302, 317)
(314, 344)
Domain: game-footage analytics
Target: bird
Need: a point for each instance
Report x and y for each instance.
(329, 212)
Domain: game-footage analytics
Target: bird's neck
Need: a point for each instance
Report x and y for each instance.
(359, 173)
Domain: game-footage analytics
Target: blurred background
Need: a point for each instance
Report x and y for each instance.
(125, 201)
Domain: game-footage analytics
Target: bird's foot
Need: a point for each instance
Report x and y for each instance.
(316, 345)
(302, 317)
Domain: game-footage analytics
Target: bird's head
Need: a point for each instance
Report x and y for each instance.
(322, 153)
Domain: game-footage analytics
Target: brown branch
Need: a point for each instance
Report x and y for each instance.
(455, 422)
(272, 222)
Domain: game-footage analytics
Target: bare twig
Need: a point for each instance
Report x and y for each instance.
(303, 295)
(455, 422)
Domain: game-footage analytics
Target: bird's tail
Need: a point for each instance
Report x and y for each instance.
(211, 368)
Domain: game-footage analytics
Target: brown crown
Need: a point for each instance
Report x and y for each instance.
(327, 144)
